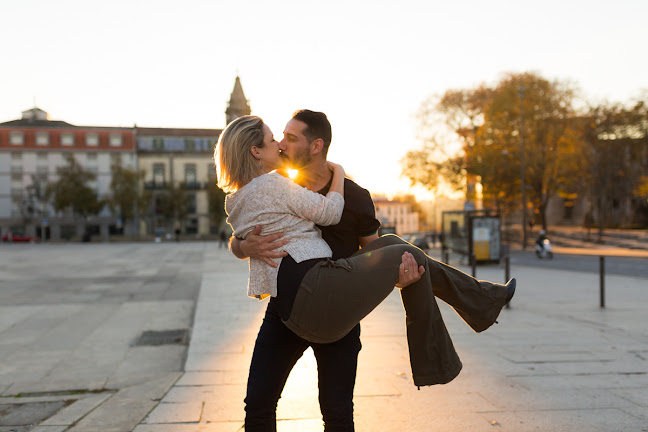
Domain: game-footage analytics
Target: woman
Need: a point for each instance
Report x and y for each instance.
(331, 297)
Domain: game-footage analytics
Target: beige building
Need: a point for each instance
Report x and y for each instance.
(396, 214)
(182, 158)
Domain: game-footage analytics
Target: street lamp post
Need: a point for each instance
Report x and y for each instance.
(522, 176)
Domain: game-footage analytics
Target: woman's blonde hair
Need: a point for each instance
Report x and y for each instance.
(235, 165)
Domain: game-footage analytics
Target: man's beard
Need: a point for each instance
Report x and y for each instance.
(300, 159)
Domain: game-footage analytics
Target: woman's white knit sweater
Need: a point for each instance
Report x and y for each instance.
(280, 205)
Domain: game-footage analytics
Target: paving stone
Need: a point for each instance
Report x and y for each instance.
(638, 396)
(115, 415)
(15, 428)
(27, 414)
(49, 429)
(176, 412)
(213, 378)
(202, 427)
(77, 410)
(215, 361)
(58, 384)
(597, 420)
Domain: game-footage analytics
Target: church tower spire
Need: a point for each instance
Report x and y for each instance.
(238, 106)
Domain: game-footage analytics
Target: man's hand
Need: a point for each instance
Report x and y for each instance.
(260, 247)
(409, 272)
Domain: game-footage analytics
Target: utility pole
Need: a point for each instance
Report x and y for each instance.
(522, 176)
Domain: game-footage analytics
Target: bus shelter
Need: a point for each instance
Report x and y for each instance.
(472, 232)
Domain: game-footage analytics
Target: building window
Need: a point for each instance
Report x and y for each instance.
(16, 194)
(190, 174)
(42, 173)
(191, 203)
(158, 144)
(92, 140)
(190, 145)
(16, 138)
(115, 158)
(158, 174)
(16, 177)
(16, 156)
(42, 138)
(211, 171)
(42, 157)
(91, 157)
(67, 139)
(115, 140)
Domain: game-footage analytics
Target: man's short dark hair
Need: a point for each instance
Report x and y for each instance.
(317, 126)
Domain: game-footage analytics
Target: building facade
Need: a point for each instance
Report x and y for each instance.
(31, 150)
(172, 159)
(396, 214)
(177, 158)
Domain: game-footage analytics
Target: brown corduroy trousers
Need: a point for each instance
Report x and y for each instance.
(335, 295)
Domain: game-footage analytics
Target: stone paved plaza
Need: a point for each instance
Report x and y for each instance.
(70, 316)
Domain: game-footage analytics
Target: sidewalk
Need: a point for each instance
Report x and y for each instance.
(555, 362)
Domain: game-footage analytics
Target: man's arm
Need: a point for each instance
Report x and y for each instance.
(364, 241)
(258, 246)
(409, 271)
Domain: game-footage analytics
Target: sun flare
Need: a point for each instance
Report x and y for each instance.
(292, 173)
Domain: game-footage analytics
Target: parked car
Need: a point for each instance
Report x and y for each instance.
(19, 238)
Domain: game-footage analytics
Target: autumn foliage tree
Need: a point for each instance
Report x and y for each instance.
(615, 157)
(490, 124)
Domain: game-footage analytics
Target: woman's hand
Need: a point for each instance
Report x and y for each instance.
(333, 167)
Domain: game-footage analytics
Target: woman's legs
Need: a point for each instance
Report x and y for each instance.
(478, 302)
(335, 295)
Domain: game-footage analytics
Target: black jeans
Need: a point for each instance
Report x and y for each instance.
(276, 351)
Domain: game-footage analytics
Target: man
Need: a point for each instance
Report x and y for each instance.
(307, 137)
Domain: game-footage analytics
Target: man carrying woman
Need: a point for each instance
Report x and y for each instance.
(319, 295)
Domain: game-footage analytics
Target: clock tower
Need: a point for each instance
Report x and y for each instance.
(238, 106)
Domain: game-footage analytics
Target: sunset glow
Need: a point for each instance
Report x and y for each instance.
(367, 65)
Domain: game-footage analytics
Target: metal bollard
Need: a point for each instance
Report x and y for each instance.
(446, 257)
(473, 263)
(602, 277)
(507, 273)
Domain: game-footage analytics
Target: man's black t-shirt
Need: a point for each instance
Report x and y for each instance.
(358, 220)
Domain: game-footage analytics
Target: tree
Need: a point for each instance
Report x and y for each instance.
(36, 199)
(174, 202)
(216, 197)
(71, 192)
(489, 124)
(616, 144)
(125, 197)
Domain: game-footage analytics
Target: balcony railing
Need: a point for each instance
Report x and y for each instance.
(195, 186)
(151, 185)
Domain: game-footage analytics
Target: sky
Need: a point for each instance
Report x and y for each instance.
(367, 64)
